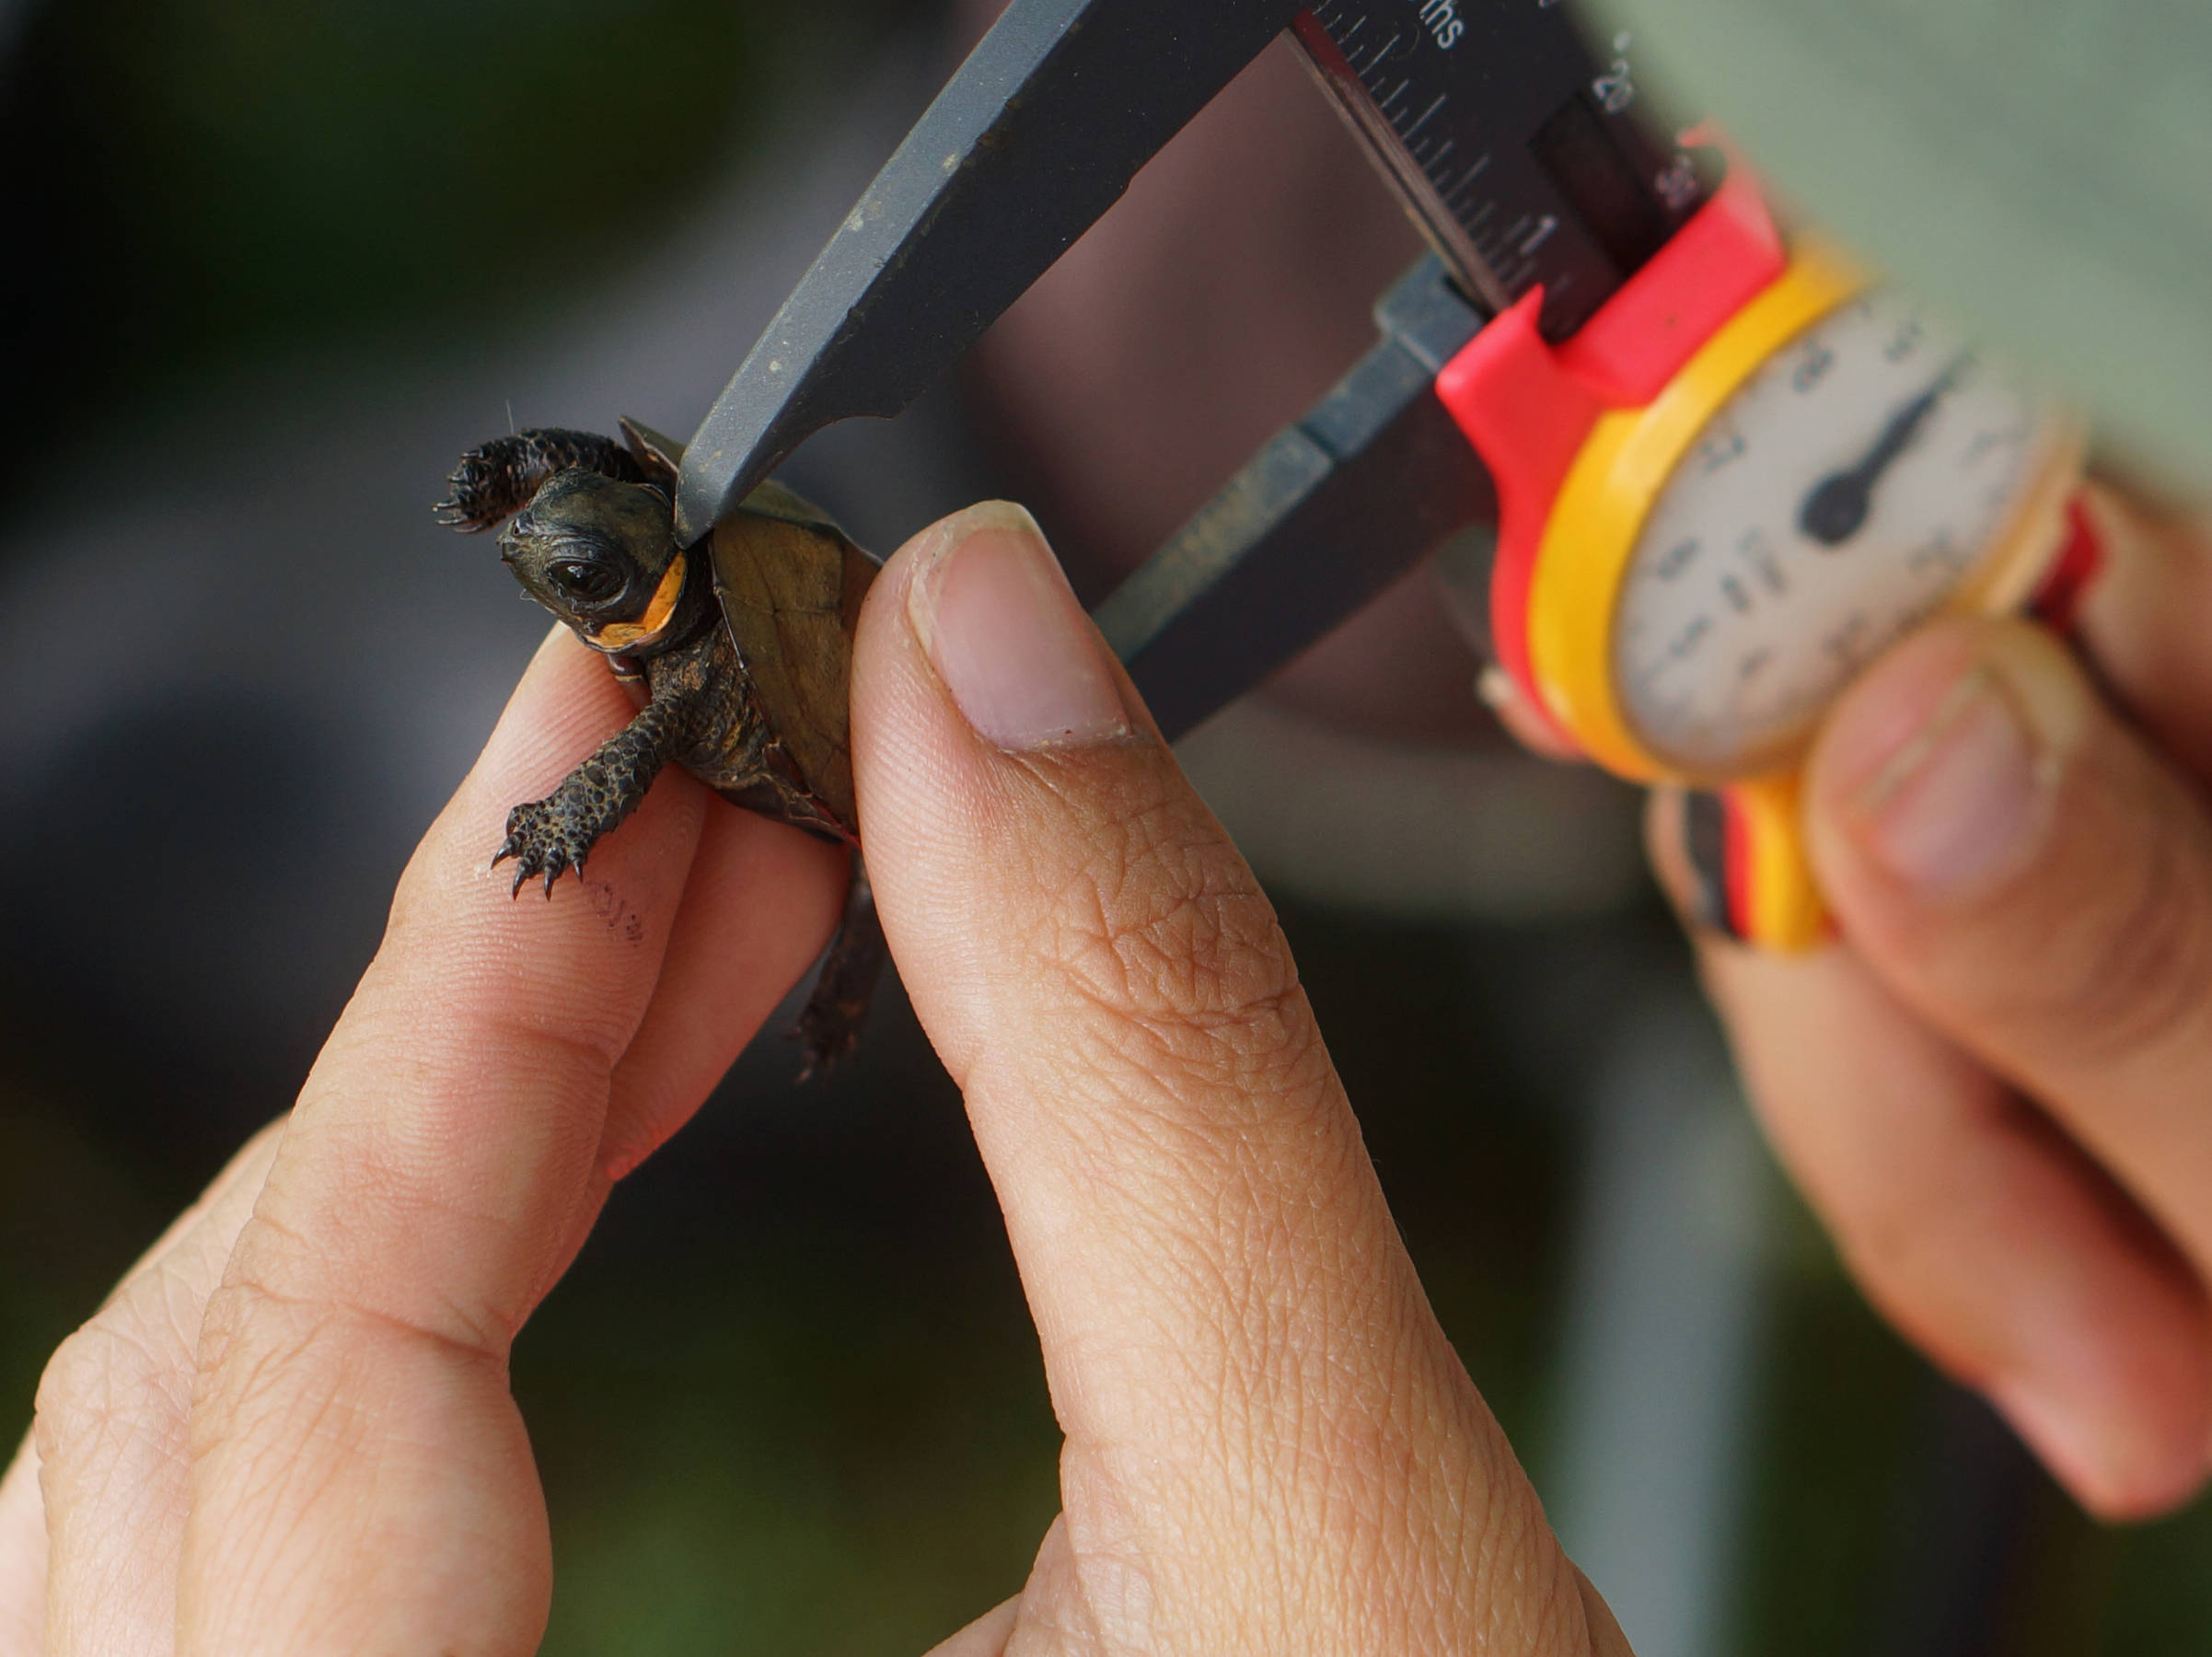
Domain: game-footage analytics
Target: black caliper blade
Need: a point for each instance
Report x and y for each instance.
(1522, 158)
(1332, 511)
(1036, 136)
(1521, 154)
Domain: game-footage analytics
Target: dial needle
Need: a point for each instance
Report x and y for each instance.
(1839, 505)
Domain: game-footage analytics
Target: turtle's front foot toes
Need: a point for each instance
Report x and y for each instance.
(541, 842)
(476, 501)
(493, 479)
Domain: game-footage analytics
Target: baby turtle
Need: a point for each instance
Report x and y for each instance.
(742, 644)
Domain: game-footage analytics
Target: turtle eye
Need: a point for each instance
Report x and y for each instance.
(584, 582)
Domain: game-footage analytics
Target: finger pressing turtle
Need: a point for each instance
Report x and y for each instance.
(743, 644)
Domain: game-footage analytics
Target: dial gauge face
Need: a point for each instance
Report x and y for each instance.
(1856, 481)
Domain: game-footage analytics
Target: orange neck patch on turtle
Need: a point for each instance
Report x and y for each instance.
(648, 628)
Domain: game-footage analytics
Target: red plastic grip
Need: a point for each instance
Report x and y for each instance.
(1528, 406)
(2057, 602)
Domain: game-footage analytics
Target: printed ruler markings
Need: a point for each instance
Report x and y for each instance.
(1438, 102)
(1519, 226)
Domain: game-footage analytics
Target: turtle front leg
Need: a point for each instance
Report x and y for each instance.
(496, 479)
(829, 1026)
(544, 837)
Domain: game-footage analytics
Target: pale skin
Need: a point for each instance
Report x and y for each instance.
(289, 1431)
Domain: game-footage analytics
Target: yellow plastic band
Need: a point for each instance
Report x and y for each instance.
(1786, 913)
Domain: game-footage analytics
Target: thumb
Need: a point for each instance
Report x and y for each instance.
(1270, 1445)
(2036, 882)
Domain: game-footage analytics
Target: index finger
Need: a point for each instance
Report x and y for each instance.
(361, 1480)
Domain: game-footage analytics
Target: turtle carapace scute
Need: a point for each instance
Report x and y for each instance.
(742, 643)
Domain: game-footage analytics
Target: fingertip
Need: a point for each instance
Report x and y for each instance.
(2035, 881)
(993, 734)
(1989, 840)
(2105, 1369)
(2123, 1463)
(1933, 780)
(1979, 1231)
(993, 612)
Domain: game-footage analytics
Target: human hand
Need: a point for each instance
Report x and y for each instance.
(1996, 1088)
(290, 1429)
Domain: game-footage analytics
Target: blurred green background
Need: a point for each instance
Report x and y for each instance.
(229, 181)
(788, 1399)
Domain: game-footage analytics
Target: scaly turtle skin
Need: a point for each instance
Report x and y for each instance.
(743, 642)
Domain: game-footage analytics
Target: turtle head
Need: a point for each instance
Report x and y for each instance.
(600, 554)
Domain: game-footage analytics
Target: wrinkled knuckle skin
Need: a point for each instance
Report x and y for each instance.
(258, 1297)
(1172, 956)
(104, 1388)
(268, 1384)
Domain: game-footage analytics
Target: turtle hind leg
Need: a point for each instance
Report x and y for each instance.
(496, 479)
(829, 1024)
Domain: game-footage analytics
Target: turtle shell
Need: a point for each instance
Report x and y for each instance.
(790, 586)
(790, 583)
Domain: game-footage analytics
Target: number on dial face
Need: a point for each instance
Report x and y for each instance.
(1845, 490)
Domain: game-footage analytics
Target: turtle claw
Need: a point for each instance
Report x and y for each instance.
(540, 842)
(497, 479)
(484, 489)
